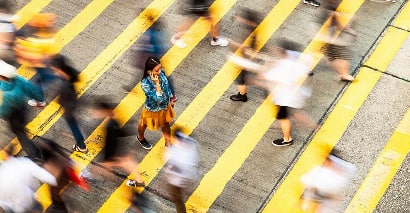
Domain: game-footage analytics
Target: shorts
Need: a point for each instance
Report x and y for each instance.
(283, 112)
(242, 77)
(197, 8)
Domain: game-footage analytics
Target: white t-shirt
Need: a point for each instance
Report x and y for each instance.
(182, 162)
(18, 181)
(285, 78)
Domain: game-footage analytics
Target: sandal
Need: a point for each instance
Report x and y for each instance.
(78, 149)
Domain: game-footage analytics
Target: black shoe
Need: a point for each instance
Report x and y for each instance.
(144, 143)
(282, 142)
(312, 2)
(239, 97)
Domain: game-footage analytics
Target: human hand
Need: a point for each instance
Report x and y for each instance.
(154, 77)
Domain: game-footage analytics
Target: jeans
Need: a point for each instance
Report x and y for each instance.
(75, 129)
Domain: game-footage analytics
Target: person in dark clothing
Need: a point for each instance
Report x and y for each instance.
(56, 162)
(250, 19)
(115, 152)
(68, 98)
(14, 91)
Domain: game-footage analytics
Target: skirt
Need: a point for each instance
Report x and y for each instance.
(156, 120)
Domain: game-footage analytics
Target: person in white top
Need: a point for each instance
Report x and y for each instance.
(19, 178)
(182, 162)
(286, 80)
(324, 184)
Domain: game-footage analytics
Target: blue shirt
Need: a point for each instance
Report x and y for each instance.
(14, 93)
(155, 101)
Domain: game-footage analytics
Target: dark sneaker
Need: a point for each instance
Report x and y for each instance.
(312, 2)
(239, 97)
(144, 143)
(134, 183)
(282, 142)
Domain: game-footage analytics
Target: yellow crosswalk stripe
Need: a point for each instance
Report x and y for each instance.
(153, 161)
(386, 166)
(72, 29)
(88, 76)
(211, 187)
(29, 10)
(234, 156)
(287, 196)
(62, 37)
(378, 179)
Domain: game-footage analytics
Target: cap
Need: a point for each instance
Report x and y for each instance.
(43, 20)
(7, 70)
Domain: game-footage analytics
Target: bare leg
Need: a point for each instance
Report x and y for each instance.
(166, 131)
(141, 131)
(130, 165)
(286, 125)
(304, 118)
(242, 89)
(342, 68)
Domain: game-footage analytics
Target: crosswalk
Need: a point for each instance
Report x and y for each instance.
(280, 193)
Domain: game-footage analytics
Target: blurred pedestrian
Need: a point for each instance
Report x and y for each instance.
(288, 93)
(14, 91)
(68, 98)
(182, 167)
(158, 109)
(116, 152)
(36, 47)
(324, 184)
(286, 80)
(19, 178)
(194, 9)
(7, 32)
(250, 19)
(152, 42)
(58, 164)
(338, 40)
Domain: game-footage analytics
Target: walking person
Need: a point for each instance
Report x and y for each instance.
(68, 98)
(338, 40)
(282, 78)
(158, 109)
(324, 184)
(19, 177)
(250, 19)
(199, 8)
(182, 167)
(14, 91)
(116, 153)
(36, 47)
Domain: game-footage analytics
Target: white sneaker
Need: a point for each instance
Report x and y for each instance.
(35, 103)
(178, 42)
(223, 42)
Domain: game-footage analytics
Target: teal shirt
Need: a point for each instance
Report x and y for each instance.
(155, 102)
(15, 93)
